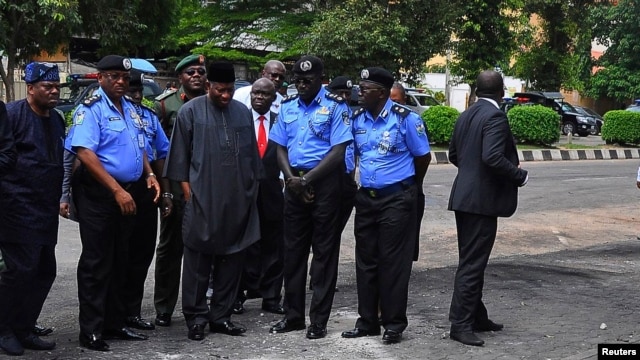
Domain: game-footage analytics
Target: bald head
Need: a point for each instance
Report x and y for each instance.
(489, 84)
(275, 71)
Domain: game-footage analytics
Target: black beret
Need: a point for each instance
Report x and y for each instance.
(308, 64)
(137, 77)
(340, 83)
(190, 60)
(377, 75)
(221, 72)
(114, 62)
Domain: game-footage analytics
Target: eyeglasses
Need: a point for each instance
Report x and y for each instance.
(276, 76)
(364, 90)
(192, 72)
(305, 81)
(117, 76)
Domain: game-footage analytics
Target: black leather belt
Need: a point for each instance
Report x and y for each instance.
(388, 190)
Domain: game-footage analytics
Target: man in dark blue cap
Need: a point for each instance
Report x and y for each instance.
(312, 132)
(214, 135)
(393, 148)
(31, 190)
(109, 140)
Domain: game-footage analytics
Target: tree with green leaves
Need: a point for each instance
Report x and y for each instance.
(560, 54)
(617, 27)
(28, 27)
(488, 35)
(250, 31)
(397, 35)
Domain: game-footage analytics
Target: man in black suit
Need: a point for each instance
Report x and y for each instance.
(486, 187)
(262, 274)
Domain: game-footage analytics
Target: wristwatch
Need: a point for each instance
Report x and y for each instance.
(303, 181)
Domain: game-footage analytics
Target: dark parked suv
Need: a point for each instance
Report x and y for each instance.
(573, 122)
(80, 86)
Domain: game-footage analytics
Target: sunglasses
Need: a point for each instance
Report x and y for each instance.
(276, 76)
(305, 81)
(192, 72)
(115, 76)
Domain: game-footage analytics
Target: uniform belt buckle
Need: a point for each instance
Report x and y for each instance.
(300, 173)
(373, 193)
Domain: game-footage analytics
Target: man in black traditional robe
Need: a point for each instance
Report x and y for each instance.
(214, 155)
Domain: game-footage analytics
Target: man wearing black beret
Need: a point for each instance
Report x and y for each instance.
(312, 132)
(394, 153)
(109, 140)
(214, 135)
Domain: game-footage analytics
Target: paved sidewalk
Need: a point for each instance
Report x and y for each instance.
(553, 307)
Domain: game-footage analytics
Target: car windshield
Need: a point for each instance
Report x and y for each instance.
(69, 92)
(634, 108)
(426, 100)
(568, 107)
(579, 110)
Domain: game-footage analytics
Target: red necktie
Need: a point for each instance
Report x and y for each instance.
(262, 137)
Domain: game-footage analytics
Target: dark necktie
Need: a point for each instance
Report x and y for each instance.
(262, 137)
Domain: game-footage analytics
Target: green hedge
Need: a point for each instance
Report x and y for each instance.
(622, 127)
(440, 121)
(534, 124)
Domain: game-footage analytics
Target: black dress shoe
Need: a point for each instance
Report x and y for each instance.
(467, 338)
(40, 330)
(357, 332)
(124, 334)
(238, 308)
(487, 326)
(137, 322)
(316, 331)
(285, 325)
(196, 332)
(274, 309)
(391, 336)
(10, 344)
(33, 342)
(163, 319)
(93, 342)
(227, 327)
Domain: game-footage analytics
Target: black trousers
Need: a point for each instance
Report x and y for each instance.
(105, 235)
(476, 236)
(312, 226)
(24, 285)
(263, 273)
(141, 250)
(385, 241)
(227, 270)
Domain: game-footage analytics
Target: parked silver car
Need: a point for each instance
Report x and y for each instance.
(420, 102)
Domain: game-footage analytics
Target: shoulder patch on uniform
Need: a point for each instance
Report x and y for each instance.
(166, 94)
(92, 100)
(145, 106)
(357, 113)
(401, 110)
(289, 98)
(334, 97)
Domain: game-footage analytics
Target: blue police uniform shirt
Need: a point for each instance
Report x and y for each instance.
(117, 140)
(349, 154)
(157, 146)
(309, 132)
(388, 144)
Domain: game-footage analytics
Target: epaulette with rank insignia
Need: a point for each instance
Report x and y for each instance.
(357, 113)
(92, 100)
(400, 110)
(337, 98)
(166, 94)
(289, 98)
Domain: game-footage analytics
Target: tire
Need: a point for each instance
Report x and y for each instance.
(568, 128)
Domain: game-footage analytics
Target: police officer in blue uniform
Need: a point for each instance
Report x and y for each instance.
(393, 148)
(312, 132)
(143, 244)
(109, 140)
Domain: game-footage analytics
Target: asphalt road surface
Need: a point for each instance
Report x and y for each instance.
(570, 210)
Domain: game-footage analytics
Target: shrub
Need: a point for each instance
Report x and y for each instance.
(534, 124)
(621, 126)
(440, 121)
